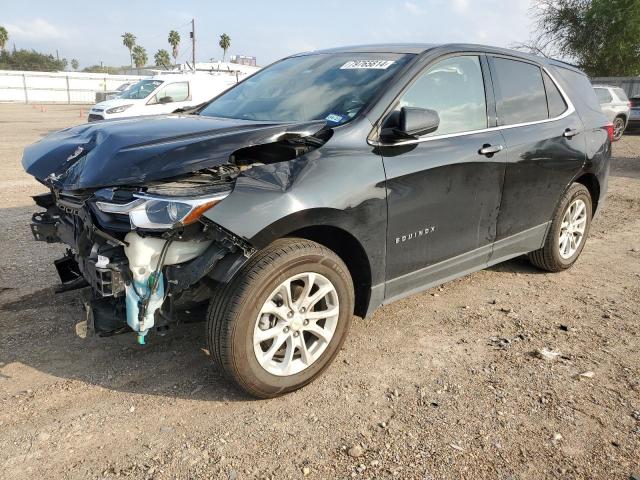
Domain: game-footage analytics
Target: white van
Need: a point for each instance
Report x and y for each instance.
(163, 94)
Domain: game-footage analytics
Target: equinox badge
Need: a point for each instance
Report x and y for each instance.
(416, 234)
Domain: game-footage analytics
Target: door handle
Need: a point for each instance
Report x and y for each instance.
(489, 150)
(570, 132)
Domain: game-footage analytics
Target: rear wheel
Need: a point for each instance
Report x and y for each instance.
(281, 321)
(568, 232)
(618, 128)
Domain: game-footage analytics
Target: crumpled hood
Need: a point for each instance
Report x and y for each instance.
(134, 151)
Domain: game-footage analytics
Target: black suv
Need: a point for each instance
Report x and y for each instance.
(327, 184)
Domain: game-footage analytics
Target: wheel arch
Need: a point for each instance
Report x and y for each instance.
(622, 116)
(351, 252)
(334, 230)
(591, 182)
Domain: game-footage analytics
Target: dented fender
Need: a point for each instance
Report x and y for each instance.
(272, 201)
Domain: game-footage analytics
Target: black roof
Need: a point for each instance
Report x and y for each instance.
(419, 48)
(383, 48)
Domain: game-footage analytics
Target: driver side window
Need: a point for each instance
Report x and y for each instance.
(454, 88)
(177, 92)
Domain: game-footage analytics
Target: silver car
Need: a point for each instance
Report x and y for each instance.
(615, 105)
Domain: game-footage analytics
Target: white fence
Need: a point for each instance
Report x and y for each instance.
(57, 87)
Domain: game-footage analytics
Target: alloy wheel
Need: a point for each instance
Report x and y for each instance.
(618, 128)
(296, 324)
(574, 223)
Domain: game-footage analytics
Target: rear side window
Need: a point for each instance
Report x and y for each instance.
(555, 102)
(520, 91)
(454, 88)
(603, 95)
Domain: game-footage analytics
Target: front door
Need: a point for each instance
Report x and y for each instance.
(444, 189)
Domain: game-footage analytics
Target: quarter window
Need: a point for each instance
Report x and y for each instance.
(555, 102)
(455, 89)
(520, 92)
(603, 95)
(622, 95)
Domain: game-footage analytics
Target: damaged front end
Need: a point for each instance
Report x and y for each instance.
(143, 247)
(144, 254)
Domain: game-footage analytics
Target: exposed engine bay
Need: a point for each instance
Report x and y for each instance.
(145, 250)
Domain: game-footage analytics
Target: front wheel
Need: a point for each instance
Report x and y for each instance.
(568, 232)
(280, 322)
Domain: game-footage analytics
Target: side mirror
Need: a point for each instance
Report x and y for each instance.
(418, 121)
(165, 100)
(410, 123)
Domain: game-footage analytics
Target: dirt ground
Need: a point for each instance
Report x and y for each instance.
(441, 385)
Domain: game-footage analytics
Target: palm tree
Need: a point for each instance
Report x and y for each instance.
(74, 64)
(174, 41)
(139, 56)
(162, 58)
(225, 43)
(129, 41)
(4, 37)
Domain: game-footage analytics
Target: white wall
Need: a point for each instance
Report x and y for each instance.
(57, 87)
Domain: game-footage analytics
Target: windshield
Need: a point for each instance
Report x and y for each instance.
(141, 90)
(331, 87)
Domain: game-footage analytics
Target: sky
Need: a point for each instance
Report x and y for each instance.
(91, 31)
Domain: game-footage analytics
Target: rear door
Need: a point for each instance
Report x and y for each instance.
(545, 143)
(443, 189)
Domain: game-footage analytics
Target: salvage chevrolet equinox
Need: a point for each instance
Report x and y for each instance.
(326, 185)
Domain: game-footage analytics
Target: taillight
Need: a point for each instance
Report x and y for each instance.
(609, 128)
(629, 104)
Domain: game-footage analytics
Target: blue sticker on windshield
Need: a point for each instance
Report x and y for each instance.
(334, 117)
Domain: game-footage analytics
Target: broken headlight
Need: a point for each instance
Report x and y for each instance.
(163, 212)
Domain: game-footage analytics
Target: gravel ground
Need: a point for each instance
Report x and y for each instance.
(441, 385)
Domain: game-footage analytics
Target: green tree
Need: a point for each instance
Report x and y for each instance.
(129, 41)
(601, 36)
(29, 60)
(105, 69)
(74, 64)
(174, 42)
(225, 43)
(139, 56)
(4, 37)
(162, 58)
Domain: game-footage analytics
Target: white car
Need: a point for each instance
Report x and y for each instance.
(163, 94)
(616, 106)
(118, 91)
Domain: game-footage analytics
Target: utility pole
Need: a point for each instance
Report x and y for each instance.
(193, 43)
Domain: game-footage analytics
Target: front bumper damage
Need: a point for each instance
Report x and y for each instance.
(137, 281)
(107, 181)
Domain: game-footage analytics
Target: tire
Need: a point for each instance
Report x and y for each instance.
(552, 256)
(618, 128)
(236, 317)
